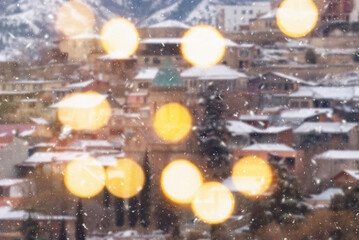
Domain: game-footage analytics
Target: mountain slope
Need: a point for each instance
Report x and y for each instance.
(27, 25)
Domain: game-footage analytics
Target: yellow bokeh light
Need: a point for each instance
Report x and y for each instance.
(172, 122)
(85, 177)
(252, 176)
(74, 18)
(84, 111)
(203, 46)
(297, 18)
(125, 179)
(120, 38)
(213, 203)
(180, 181)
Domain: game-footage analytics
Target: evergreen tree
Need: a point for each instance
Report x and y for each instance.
(30, 228)
(132, 211)
(310, 56)
(165, 215)
(119, 212)
(284, 206)
(106, 198)
(212, 130)
(63, 234)
(80, 233)
(144, 210)
(348, 201)
(286, 203)
(356, 56)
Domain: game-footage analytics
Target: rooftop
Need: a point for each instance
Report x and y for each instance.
(238, 128)
(220, 72)
(167, 76)
(146, 74)
(304, 113)
(327, 195)
(339, 154)
(325, 127)
(268, 147)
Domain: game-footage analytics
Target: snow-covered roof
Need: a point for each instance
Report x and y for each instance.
(273, 129)
(335, 93)
(81, 101)
(9, 213)
(339, 154)
(7, 182)
(80, 84)
(27, 133)
(325, 127)
(304, 113)
(161, 41)
(292, 78)
(341, 79)
(147, 74)
(169, 24)
(270, 14)
(216, 72)
(84, 144)
(227, 42)
(240, 128)
(116, 56)
(327, 195)
(39, 121)
(353, 173)
(47, 157)
(268, 147)
(86, 36)
(251, 117)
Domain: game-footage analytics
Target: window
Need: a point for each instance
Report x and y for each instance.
(294, 105)
(143, 85)
(156, 61)
(243, 12)
(250, 12)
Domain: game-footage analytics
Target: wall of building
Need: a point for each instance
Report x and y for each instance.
(14, 153)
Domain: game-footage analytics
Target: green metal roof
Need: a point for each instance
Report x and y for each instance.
(167, 76)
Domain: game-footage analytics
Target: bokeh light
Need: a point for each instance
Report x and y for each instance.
(252, 176)
(75, 18)
(213, 203)
(85, 177)
(125, 179)
(297, 18)
(180, 181)
(120, 38)
(84, 111)
(203, 46)
(172, 122)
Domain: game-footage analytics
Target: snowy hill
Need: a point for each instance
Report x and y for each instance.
(26, 25)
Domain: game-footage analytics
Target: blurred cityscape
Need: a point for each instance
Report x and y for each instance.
(293, 102)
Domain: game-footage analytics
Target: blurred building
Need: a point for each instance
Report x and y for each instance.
(236, 18)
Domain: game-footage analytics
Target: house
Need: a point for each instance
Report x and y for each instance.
(240, 134)
(118, 72)
(346, 177)
(246, 54)
(165, 29)
(274, 134)
(144, 78)
(272, 151)
(12, 190)
(327, 135)
(273, 87)
(197, 79)
(264, 23)
(295, 117)
(11, 219)
(82, 48)
(330, 163)
(322, 96)
(258, 121)
(236, 18)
